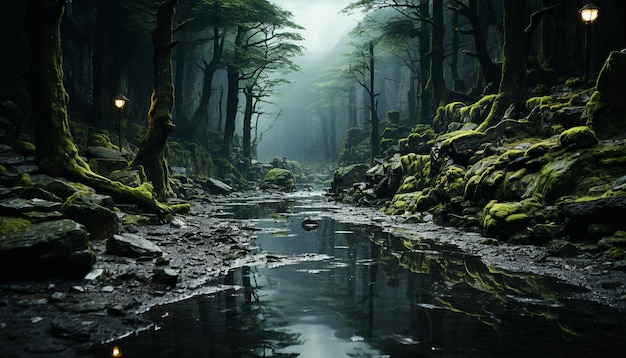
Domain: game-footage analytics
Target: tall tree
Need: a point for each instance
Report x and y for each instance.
(512, 92)
(260, 45)
(160, 124)
(56, 152)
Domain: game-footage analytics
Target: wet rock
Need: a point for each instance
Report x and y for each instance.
(218, 187)
(95, 212)
(579, 215)
(60, 187)
(502, 220)
(130, 245)
(562, 248)
(18, 206)
(70, 333)
(132, 177)
(571, 116)
(54, 248)
(105, 160)
(165, 276)
(345, 177)
(279, 179)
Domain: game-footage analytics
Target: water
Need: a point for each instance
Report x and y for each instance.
(356, 291)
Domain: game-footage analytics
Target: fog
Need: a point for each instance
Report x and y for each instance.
(289, 126)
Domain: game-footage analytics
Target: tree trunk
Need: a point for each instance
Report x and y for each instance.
(57, 154)
(232, 103)
(160, 123)
(374, 136)
(332, 131)
(247, 123)
(437, 81)
(513, 84)
(424, 46)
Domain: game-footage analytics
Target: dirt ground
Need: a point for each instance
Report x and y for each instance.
(56, 318)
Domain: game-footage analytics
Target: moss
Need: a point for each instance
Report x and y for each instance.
(100, 140)
(280, 179)
(578, 138)
(503, 219)
(25, 181)
(180, 208)
(541, 102)
(12, 224)
(25, 148)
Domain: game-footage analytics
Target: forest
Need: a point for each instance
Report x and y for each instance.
(500, 117)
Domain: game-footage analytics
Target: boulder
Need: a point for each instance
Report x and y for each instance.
(215, 186)
(95, 211)
(580, 214)
(49, 249)
(346, 177)
(105, 160)
(580, 137)
(130, 245)
(279, 179)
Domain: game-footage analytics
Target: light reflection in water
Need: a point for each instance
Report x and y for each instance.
(376, 298)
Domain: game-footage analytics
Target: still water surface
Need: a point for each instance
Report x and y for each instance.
(359, 292)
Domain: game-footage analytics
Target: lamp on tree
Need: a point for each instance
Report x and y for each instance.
(588, 13)
(120, 101)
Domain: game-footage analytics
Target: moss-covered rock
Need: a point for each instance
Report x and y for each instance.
(345, 177)
(578, 138)
(8, 225)
(501, 220)
(279, 179)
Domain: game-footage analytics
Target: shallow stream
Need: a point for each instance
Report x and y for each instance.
(351, 290)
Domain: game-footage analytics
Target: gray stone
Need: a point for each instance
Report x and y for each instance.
(53, 248)
(346, 177)
(218, 187)
(17, 206)
(130, 245)
(95, 211)
(165, 276)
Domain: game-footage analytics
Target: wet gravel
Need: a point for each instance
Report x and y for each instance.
(59, 318)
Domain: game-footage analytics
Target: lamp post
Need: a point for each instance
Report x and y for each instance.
(120, 101)
(589, 14)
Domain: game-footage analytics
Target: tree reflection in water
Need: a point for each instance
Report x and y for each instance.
(378, 296)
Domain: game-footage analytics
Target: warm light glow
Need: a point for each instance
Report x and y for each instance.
(117, 352)
(120, 101)
(589, 13)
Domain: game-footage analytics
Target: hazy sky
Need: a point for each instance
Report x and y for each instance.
(323, 23)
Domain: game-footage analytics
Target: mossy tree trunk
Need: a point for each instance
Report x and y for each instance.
(374, 135)
(160, 123)
(512, 92)
(56, 152)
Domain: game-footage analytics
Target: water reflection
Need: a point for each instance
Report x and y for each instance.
(375, 296)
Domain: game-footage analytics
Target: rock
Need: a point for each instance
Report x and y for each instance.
(562, 248)
(346, 177)
(218, 187)
(18, 206)
(105, 160)
(130, 245)
(95, 212)
(132, 177)
(54, 248)
(579, 215)
(580, 137)
(502, 220)
(571, 116)
(279, 179)
(165, 276)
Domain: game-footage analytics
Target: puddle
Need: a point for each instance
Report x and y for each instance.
(351, 290)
